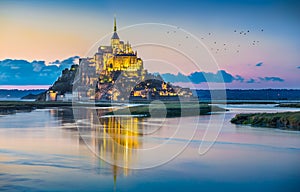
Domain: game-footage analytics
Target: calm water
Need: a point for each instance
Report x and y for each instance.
(44, 151)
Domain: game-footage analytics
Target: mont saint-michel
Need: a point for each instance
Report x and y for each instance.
(115, 73)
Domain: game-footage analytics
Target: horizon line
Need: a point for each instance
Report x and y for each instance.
(37, 87)
(24, 87)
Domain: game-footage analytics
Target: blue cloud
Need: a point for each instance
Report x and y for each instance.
(259, 64)
(271, 79)
(22, 72)
(218, 77)
(251, 81)
(175, 78)
(298, 67)
(239, 78)
(201, 77)
(67, 62)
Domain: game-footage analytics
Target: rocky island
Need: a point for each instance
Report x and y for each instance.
(114, 73)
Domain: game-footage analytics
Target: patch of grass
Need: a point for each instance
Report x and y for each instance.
(283, 120)
(168, 110)
(292, 105)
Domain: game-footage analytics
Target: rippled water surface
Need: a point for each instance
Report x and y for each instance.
(44, 151)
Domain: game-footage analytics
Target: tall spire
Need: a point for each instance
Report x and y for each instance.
(115, 24)
(115, 35)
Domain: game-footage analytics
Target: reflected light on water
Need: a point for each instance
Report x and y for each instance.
(41, 149)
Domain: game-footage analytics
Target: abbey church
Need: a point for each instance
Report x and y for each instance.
(115, 72)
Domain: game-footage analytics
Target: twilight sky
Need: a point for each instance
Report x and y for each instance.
(255, 43)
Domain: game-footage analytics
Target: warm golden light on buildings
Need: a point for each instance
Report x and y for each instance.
(51, 95)
(116, 73)
(118, 56)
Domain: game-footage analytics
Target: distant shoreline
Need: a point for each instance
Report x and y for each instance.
(12, 107)
(242, 95)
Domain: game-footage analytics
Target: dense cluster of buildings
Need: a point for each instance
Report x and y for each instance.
(117, 73)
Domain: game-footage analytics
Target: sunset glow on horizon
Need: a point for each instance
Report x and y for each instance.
(255, 40)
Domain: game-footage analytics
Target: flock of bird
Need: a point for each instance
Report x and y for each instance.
(218, 47)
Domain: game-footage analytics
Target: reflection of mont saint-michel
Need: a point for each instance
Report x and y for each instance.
(115, 72)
